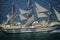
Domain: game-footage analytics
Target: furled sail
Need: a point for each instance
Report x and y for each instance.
(57, 14)
(40, 10)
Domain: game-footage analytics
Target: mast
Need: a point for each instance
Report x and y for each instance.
(40, 10)
(30, 16)
(30, 8)
(10, 20)
(26, 12)
(57, 14)
(49, 11)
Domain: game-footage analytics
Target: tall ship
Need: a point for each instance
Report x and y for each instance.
(43, 23)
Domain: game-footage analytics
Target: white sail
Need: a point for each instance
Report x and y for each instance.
(24, 11)
(30, 20)
(42, 15)
(57, 14)
(22, 17)
(39, 9)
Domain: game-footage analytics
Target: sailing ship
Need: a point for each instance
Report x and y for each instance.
(30, 26)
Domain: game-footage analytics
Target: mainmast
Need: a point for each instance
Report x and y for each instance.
(30, 15)
(49, 11)
(30, 8)
(26, 12)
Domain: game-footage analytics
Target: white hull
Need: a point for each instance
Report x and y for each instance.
(23, 30)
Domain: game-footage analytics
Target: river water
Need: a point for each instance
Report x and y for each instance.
(30, 36)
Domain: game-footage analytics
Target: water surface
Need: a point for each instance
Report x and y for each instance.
(31, 36)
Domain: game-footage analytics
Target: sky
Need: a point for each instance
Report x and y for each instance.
(6, 8)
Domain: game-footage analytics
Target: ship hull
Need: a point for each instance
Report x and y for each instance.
(23, 30)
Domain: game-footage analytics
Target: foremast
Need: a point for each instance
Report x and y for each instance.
(11, 18)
